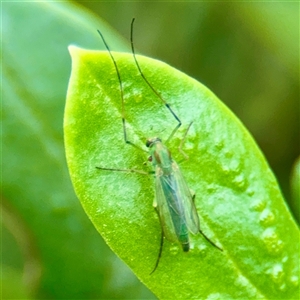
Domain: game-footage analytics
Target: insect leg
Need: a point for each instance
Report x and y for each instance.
(212, 243)
(182, 143)
(160, 248)
(127, 171)
(121, 95)
(159, 253)
(200, 231)
(167, 105)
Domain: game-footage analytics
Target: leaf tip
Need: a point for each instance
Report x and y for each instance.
(73, 50)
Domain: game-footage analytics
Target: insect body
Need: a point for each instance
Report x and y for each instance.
(174, 201)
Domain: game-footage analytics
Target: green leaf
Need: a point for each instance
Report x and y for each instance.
(295, 190)
(237, 197)
(62, 254)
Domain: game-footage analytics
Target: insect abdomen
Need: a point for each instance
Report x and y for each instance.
(176, 210)
(186, 247)
(184, 239)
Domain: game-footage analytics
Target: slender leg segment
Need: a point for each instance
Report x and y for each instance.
(171, 188)
(159, 253)
(150, 85)
(183, 141)
(147, 82)
(121, 95)
(202, 233)
(127, 171)
(212, 243)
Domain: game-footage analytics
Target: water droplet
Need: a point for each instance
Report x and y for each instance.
(219, 144)
(277, 273)
(218, 296)
(294, 280)
(198, 246)
(258, 205)
(250, 192)
(240, 181)
(235, 166)
(174, 249)
(273, 244)
(210, 187)
(192, 245)
(241, 281)
(278, 247)
(283, 287)
(267, 217)
(225, 169)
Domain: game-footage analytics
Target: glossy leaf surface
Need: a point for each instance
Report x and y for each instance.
(237, 197)
(49, 250)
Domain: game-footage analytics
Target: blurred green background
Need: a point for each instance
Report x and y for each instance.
(247, 53)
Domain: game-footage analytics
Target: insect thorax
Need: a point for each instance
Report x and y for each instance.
(160, 155)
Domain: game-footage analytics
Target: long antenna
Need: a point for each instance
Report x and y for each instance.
(121, 93)
(149, 84)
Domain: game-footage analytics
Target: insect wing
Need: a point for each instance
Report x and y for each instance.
(191, 215)
(161, 184)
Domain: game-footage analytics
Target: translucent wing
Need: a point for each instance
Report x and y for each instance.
(175, 206)
(190, 212)
(161, 184)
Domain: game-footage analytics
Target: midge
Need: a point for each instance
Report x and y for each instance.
(174, 201)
